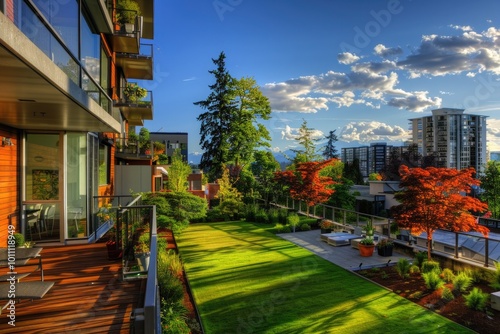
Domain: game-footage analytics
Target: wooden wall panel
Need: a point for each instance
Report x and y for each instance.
(9, 183)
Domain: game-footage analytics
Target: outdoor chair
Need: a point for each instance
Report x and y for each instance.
(24, 290)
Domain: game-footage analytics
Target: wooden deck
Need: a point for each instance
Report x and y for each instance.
(87, 297)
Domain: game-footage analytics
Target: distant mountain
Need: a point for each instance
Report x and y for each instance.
(281, 157)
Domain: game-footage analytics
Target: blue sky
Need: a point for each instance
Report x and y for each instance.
(362, 68)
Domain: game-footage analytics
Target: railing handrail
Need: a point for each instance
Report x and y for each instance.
(152, 321)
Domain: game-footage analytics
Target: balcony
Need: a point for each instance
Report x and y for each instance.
(135, 110)
(137, 66)
(127, 32)
(101, 13)
(43, 86)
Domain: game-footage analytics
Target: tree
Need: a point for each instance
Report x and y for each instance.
(263, 168)
(216, 121)
(435, 198)
(230, 129)
(306, 140)
(342, 197)
(330, 151)
(246, 133)
(178, 173)
(306, 184)
(490, 184)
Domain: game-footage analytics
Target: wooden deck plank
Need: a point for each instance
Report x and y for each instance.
(87, 297)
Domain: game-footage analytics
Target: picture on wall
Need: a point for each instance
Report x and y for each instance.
(45, 184)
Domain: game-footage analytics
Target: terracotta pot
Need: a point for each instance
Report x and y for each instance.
(366, 250)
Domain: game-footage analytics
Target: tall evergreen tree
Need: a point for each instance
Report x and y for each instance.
(216, 121)
(229, 130)
(306, 140)
(330, 151)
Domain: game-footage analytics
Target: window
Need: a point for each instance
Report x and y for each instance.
(104, 167)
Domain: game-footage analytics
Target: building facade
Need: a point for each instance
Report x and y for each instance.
(456, 139)
(66, 69)
(172, 142)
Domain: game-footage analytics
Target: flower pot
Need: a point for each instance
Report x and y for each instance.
(142, 260)
(385, 250)
(326, 230)
(366, 250)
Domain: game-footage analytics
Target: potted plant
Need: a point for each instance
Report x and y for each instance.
(18, 240)
(141, 251)
(326, 226)
(385, 247)
(126, 13)
(366, 247)
(369, 230)
(134, 93)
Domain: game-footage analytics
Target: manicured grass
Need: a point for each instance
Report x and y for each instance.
(246, 280)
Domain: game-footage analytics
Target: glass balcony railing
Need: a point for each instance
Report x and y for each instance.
(47, 40)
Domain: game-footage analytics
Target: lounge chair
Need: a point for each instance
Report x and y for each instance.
(23, 290)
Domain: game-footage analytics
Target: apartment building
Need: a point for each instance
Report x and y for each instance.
(371, 159)
(454, 138)
(68, 77)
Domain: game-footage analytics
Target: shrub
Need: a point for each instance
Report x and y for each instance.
(461, 282)
(475, 274)
(414, 269)
(293, 220)
(251, 212)
(305, 227)
(282, 216)
(428, 266)
(274, 216)
(432, 280)
(18, 240)
(447, 295)
(261, 217)
(476, 299)
(403, 267)
(495, 278)
(448, 275)
(282, 228)
(420, 257)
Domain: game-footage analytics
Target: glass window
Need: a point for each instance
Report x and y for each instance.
(42, 167)
(91, 50)
(103, 164)
(63, 17)
(76, 184)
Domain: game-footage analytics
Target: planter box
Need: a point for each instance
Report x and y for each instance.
(385, 251)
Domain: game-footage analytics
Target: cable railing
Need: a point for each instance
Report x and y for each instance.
(468, 246)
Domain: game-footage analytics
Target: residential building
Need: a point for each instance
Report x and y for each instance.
(172, 142)
(66, 67)
(371, 159)
(456, 139)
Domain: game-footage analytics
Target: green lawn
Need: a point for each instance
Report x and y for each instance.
(246, 280)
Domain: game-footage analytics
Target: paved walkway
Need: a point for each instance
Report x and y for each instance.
(343, 256)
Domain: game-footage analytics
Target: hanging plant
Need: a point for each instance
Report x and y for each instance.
(133, 92)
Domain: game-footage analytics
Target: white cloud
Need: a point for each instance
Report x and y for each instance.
(376, 84)
(292, 133)
(372, 131)
(347, 58)
(384, 52)
(417, 102)
(493, 133)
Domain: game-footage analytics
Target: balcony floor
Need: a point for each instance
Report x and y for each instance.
(87, 297)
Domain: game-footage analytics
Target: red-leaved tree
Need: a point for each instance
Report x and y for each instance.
(436, 198)
(306, 184)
